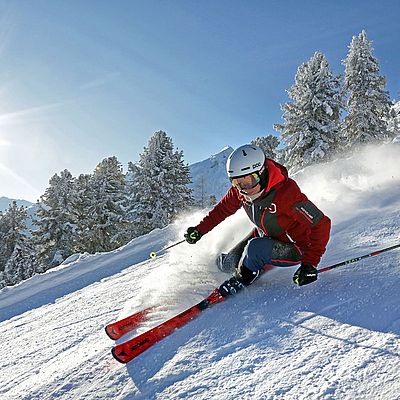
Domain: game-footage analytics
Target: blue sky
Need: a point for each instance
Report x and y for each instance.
(84, 80)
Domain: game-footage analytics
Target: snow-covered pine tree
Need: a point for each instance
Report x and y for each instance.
(368, 103)
(394, 120)
(12, 227)
(106, 229)
(3, 280)
(4, 247)
(160, 185)
(311, 121)
(201, 194)
(56, 233)
(212, 200)
(269, 144)
(22, 264)
(13, 242)
(82, 202)
(132, 197)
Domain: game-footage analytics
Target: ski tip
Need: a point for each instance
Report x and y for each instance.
(116, 357)
(109, 333)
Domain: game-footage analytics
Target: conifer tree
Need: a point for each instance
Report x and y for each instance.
(201, 192)
(82, 216)
(160, 185)
(56, 231)
(107, 227)
(17, 256)
(269, 144)
(368, 103)
(133, 190)
(311, 121)
(3, 280)
(394, 120)
(212, 200)
(12, 227)
(22, 264)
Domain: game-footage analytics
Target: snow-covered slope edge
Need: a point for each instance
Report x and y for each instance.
(78, 271)
(335, 339)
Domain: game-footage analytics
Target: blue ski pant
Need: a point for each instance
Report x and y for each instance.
(261, 252)
(257, 253)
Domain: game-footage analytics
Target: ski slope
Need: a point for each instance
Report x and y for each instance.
(335, 339)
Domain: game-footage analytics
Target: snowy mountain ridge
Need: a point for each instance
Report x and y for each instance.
(209, 177)
(338, 338)
(5, 202)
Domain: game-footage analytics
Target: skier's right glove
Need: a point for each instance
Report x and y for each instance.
(192, 235)
(305, 274)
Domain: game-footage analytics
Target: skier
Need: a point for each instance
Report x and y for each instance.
(289, 230)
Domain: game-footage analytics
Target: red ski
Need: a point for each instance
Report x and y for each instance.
(119, 328)
(127, 351)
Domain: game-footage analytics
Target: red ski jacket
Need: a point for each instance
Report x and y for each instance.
(282, 212)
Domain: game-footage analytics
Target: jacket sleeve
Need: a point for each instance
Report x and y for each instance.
(227, 206)
(311, 229)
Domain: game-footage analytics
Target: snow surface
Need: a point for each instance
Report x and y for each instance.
(335, 339)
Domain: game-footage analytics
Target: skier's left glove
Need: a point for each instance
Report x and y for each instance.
(305, 274)
(192, 235)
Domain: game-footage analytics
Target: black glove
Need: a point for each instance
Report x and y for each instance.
(192, 235)
(305, 274)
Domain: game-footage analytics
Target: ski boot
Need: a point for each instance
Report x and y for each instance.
(231, 287)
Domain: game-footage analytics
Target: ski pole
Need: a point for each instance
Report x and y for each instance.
(154, 255)
(375, 253)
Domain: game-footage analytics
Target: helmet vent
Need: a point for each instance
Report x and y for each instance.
(244, 161)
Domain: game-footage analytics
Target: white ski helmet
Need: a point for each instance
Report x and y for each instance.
(244, 161)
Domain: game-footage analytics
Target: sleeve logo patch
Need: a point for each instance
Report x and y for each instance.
(304, 211)
(309, 211)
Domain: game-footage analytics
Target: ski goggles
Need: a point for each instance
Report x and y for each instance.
(246, 182)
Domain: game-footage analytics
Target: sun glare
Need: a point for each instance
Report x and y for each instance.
(4, 142)
(16, 184)
(12, 184)
(20, 133)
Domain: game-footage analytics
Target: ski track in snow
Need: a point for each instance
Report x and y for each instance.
(335, 339)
